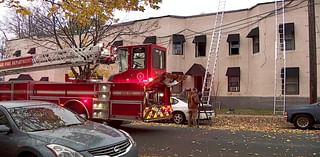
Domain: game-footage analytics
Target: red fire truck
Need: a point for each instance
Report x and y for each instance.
(140, 91)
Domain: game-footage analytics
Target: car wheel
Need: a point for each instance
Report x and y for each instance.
(303, 121)
(178, 117)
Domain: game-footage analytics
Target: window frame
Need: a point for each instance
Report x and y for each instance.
(175, 48)
(234, 45)
(255, 44)
(17, 53)
(288, 36)
(230, 81)
(295, 83)
(197, 49)
(291, 80)
(289, 39)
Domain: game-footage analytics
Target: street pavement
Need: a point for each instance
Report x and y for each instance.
(156, 139)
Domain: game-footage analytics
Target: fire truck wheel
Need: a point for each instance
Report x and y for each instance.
(178, 117)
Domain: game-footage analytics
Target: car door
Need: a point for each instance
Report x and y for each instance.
(7, 141)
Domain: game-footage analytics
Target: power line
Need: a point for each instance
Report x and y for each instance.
(231, 25)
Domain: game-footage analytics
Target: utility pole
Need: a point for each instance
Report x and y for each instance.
(312, 52)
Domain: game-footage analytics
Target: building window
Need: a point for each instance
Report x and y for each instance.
(178, 41)
(139, 58)
(254, 34)
(17, 53)
(234, 44)
(158, 59)
(32, 51)
(117, 43)
(200, 45)
(292, 81)
(178, 87)
(233, 74)
(150, 40)
(177, 49)
(287, 35)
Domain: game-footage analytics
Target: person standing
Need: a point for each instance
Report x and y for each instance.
(193, 105)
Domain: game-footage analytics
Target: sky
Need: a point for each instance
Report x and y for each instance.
(187, 7)
(176, 7)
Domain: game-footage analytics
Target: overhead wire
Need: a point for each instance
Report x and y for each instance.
(231, 25)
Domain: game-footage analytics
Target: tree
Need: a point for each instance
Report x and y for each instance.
(83, 10)
(77, 24)
(3, 38)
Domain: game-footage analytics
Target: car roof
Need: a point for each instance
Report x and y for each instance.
(22, 103)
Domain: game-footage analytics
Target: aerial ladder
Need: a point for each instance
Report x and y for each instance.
(279, 101)
(208, 81)
(51, 60)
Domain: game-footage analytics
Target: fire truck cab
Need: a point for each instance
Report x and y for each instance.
(140, 91)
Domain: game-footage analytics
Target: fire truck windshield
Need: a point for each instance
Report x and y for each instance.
(139, 58)
(123, 59)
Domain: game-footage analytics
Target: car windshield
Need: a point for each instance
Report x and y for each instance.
(43, 117)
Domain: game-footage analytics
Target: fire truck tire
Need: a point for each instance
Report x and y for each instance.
(77, 108)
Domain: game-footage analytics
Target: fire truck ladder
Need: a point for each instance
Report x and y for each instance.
(212, 57)
(279, 101)
(58, 59)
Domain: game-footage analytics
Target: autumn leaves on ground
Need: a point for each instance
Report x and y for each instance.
(259, 123)
(272, 124)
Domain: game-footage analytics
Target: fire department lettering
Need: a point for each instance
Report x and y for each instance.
(12, 63)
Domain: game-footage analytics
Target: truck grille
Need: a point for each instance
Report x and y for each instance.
(114, 150)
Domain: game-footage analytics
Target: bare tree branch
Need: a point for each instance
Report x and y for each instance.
(45, 28)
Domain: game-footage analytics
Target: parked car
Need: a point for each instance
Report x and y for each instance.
(43, 129)
(304, 116)
(180, 111)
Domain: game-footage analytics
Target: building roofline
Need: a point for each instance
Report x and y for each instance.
(198, 15)
(178, 16)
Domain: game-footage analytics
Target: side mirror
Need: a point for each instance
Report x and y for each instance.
(4, 129)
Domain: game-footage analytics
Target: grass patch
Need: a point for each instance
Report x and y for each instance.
(245, 111)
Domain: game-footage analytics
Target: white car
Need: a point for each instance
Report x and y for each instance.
(180, 111)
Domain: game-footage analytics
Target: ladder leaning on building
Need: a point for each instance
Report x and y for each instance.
(207, 87)
(279, 101)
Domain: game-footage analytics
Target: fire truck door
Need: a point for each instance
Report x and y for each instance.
(20, 91)
(126, 109)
